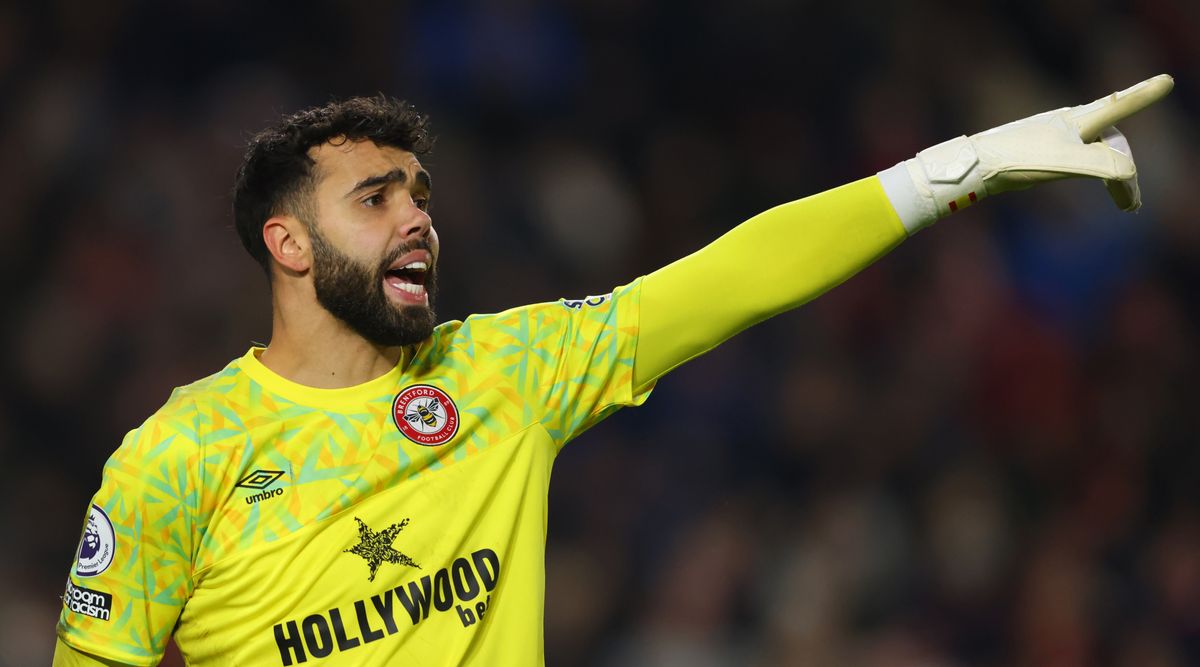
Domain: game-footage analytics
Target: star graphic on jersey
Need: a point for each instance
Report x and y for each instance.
(376, 548)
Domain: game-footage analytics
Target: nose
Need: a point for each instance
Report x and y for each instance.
(415, 223)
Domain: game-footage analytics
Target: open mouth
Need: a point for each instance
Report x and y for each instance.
(408, 278)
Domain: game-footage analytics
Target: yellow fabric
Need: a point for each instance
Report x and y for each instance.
(66, 656)
(266, 523)
(773, 262)
(263, 522)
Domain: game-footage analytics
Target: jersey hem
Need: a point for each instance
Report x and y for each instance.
(631, 394)
(638, 393)
(101, 651)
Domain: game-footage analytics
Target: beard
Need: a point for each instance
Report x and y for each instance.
(354, 293)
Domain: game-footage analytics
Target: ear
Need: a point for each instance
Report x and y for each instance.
(287, 241)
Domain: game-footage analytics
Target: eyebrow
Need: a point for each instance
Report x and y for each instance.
(393, 176)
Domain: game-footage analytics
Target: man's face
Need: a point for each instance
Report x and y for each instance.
(373, 243)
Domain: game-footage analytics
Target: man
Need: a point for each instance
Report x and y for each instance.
(370, 488)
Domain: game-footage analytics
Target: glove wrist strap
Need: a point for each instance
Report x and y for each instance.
(939, 181)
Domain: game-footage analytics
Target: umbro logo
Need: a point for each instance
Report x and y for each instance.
(259, 480)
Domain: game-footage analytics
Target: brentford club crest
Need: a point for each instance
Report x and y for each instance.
(425, 415)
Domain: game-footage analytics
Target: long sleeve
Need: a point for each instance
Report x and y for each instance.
(775, 261)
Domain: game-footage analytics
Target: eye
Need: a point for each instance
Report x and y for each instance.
(374, 200)
(422, 203)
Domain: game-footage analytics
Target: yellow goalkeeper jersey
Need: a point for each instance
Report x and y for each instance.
(401, 521)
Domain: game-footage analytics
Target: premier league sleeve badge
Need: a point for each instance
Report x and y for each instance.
(97, 546)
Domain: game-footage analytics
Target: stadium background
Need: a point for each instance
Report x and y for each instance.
(981, 451)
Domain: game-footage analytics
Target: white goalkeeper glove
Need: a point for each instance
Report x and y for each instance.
(1067, 142)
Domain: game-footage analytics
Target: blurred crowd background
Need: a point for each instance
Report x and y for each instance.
(983, 450)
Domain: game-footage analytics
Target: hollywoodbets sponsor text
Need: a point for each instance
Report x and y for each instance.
(465, 586)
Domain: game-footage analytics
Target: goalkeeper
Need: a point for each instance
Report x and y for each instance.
(370, 488)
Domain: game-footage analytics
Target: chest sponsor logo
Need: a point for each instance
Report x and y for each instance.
(465, 586)
(98, 545)
(261, 481)
(87, 601)
(426, 415)
(376, 548)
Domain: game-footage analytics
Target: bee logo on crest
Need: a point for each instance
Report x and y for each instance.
(426, 415)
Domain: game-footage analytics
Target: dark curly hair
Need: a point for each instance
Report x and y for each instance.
(276, 175)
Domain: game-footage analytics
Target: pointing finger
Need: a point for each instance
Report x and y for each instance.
(1094, 117)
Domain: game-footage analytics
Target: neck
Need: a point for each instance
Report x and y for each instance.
(311, 347)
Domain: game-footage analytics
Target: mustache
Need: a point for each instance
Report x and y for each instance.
(403, 249)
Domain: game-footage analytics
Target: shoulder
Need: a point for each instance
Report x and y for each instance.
(536, 323)
(488, 333)
(518, 321)
(175, 432)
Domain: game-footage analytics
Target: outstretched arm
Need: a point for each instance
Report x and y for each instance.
(775, 261)
(793, 253)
